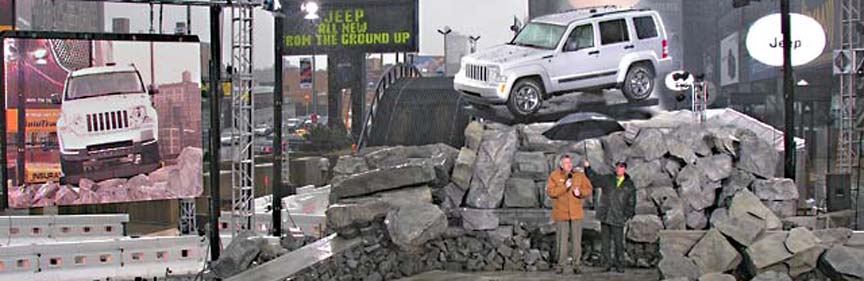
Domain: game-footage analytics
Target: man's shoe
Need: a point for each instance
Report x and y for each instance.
(577, 270)
(559, 269)
(608, 269)
(619, 269)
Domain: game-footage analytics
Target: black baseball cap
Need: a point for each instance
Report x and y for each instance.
(621, 163)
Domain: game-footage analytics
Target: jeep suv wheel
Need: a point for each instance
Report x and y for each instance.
(639, 83)
(525, 98)
(71, 168)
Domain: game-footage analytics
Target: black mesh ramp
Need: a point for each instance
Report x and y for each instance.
(419, 111)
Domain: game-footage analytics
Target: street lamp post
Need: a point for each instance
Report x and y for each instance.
(445, 32)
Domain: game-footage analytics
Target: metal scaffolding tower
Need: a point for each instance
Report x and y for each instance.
(243, 161)
(188, 225)
(850, 41)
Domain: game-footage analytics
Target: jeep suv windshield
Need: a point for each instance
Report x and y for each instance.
(540, 35)
(103, 84)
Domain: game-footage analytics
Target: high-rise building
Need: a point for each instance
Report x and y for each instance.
(179, 116)
(48, 15)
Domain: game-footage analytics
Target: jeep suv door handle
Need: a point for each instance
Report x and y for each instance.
(597, 52)
(629, 47)
(548, 57)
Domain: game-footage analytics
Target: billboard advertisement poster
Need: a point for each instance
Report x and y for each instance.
(101, 118)
(305, 73)
(729, 60)
(7, 14)
(371, 26)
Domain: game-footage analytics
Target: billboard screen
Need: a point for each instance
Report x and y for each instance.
(101, 120)
(7, 14)
(372, 26)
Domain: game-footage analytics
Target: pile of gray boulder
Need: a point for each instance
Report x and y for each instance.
(741, 248)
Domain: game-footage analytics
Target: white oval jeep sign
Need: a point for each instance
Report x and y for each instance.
(765, 40)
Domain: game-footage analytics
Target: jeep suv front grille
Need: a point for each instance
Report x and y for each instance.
(477, 72)
(107, 121)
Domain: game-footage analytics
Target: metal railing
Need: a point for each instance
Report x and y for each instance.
(390, 77)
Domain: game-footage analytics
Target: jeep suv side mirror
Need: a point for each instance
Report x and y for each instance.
(152, 90)
(514, 28)
(55, 98)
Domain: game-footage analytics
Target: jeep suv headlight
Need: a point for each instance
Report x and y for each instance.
(138, 116)
(77, 124)
(495, 75)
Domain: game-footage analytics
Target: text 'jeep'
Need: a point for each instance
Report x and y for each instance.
(587, 49)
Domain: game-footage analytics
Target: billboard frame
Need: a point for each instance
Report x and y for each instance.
(4, 200)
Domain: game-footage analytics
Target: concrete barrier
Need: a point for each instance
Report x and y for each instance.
(23, 230)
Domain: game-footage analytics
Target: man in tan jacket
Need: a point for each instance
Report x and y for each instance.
(568, 188)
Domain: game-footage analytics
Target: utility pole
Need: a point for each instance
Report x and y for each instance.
(788, 93)
(215, 127)
(276, 184)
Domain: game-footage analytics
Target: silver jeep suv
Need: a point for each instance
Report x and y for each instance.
(587, 49)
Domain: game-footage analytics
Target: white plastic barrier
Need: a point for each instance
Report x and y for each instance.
(117, 259)
(23, 230)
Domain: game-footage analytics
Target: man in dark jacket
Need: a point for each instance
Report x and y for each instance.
(617, 205)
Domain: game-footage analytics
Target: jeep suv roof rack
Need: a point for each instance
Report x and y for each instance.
(618, 12)
(592, 9)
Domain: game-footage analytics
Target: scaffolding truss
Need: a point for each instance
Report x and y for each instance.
(243, 160)
(850, 41)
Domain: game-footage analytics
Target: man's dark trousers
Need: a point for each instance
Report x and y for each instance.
(616, 234)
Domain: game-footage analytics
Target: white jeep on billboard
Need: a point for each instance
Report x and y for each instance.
(587, 49)
(108, 127)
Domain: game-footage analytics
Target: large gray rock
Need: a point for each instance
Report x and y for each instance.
(479, 219)
(717, 167)
(492, 169)
(695, 136)
(771, 276)
(724, 140)
(239, 255)
(801, 239)
(843, 263)
(776, 189)
(616, 148)
(386, 157)
(530, 165)
(783, 209)
(650, 144)
(717, 277)
(647, 173)
(745, 202)
(678, 267)
(644, 228)
(697, 220)
(464, 168)
(717, 215)
(804, 261)
(768, 250)
(833, 236)
(473, 135)
(738, 180)
(531, 138)
(644, 204)
(349, 165)
(404, 196)
(743, 229)
(675, 219)
(412, 226)
(672, 167)
(661, 195)
(342, 216)
(520, 193)
(382, 179)
(757, 156)
(690, 181)
(680, 150)
(713, 253)
(453, 196)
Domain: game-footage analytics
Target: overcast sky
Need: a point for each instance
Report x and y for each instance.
(489, 19)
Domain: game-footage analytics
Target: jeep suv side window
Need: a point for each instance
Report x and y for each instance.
(613, 31)
(645, 27)
(581, 37)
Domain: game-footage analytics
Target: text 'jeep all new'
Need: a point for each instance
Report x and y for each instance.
(108, 126)
(587, 49)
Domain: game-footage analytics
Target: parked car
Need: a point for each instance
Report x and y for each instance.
(587, 49)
